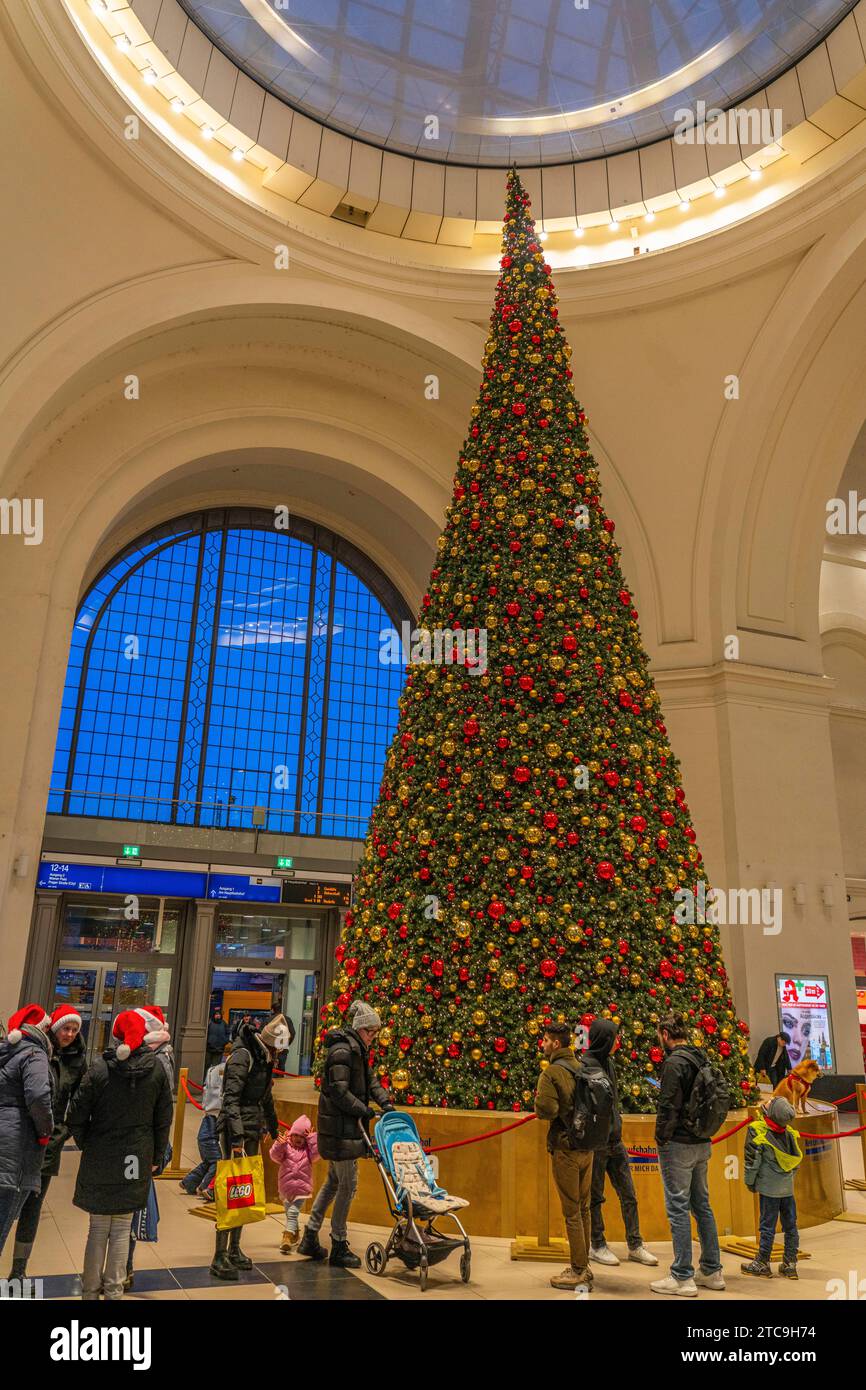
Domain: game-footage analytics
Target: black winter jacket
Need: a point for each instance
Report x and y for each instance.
(348, 1086)
(25, 1109)
(68, 1066)
(217, 1035)
(247, 1101)
(678, 1073)
(764, 1061)
(120, 1119)
(602, 1036)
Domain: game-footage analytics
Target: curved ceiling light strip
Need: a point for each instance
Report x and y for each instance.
(646, 200)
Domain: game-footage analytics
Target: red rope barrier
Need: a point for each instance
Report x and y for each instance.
(192, 1100)
(842, 1134)
(477, 1138)
(296, 1075)
(853, 1096)
(195, 1083)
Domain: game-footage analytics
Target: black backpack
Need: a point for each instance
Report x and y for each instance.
(592, 1112)
(708, 1102)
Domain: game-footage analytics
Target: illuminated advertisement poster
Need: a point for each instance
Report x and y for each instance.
(804, 1014)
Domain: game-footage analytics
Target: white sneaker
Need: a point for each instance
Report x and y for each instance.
(686, 1288)
(715, 1281)
(602, 1255)
(642, 1256)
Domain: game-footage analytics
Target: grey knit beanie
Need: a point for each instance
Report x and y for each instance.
(361, 1015)
(780, 1111)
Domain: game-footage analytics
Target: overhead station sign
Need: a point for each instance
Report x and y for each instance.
(65, 876)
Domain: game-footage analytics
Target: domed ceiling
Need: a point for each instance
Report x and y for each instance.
(491, 81)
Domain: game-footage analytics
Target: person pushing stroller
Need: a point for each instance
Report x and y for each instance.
(348, 1086)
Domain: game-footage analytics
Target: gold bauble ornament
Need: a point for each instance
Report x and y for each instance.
(476, 1054)
(479, 1018)
(508, 979)
(375, 933)
(399, 1079)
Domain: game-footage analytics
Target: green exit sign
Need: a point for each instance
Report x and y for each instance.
(131, 852)
(284, 862)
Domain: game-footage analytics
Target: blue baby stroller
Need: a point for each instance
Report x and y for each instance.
(415, 1201)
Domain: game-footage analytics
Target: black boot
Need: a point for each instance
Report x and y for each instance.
(19, 1269)
(221, 1265)
(311, 1246)
(788, 1269)
(759, 1267)
(341, 1256)
(236, 1254)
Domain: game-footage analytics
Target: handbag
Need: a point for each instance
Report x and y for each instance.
(239, 1191)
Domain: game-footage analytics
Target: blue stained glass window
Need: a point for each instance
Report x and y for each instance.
(222, 665)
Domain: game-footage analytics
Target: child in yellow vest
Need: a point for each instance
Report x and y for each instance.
(772, 1155)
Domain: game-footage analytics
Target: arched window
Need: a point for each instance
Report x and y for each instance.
(220, 665)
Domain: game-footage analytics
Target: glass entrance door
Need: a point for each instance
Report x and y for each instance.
(100, 992)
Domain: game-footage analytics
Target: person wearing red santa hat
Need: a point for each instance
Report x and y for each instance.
(25, 1099)
(145, 1222)
(68, 1065)
(120, 1119)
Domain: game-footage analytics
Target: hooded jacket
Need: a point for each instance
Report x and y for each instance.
(120, 1119)
(678, 1073)
(348, 1086)
(217, 1034)
(554, 1097)
(773, 1151)
(602, 1036)
(296, 1165)
(247, 1101)
(25, 1108)
(68, 1066)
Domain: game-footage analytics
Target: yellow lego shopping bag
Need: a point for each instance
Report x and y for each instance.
(239, 1191)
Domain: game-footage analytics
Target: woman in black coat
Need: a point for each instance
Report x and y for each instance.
(247, 1113)
(68, 1065)
(25, 1105)
(120, 1119)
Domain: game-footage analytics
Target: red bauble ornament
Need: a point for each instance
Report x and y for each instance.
(470, 728)
(548, 968)
(656, 1055)
(500, 1044)
(495, 910)
(522, 774)
(605, 870)
(437, 968)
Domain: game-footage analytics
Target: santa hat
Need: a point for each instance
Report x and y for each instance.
(32, 1015)
(129, 1028)
(63, 1014)
(156, 1028)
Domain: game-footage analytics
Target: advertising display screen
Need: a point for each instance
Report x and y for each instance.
(804, 1014)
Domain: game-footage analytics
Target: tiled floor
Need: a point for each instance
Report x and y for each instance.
(176, 1267)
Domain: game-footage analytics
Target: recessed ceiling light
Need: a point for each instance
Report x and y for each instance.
(123, 43)
(614, 226)
(685, 205)
(150, 77)
(720, 192)
(177, 105)
(542, 236)
(650, 217)
(98, 6)
(755, 174)
(207, 132)
(237, 154)
(578, 231)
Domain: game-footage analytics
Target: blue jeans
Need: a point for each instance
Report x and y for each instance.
(209, 1152)
(772, 1209)
(684, 1179)
(12, 1200)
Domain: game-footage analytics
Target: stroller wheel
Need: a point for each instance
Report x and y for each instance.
(422, 1275)
(374, 1258)
(465, 1266)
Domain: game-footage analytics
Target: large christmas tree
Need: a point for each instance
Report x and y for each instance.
(531, 831)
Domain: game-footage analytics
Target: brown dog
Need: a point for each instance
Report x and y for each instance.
(795, 1087)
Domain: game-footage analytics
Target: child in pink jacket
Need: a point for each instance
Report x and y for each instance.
(296, 1152)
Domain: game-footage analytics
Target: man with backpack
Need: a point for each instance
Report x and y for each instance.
(577, 1098)
(693, 1101)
